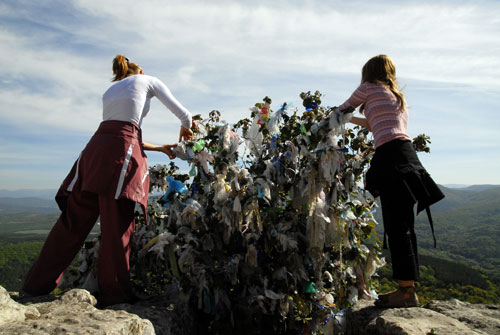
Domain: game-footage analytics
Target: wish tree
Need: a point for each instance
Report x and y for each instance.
(267, 230)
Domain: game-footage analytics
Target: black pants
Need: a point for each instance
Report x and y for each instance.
(399, 222)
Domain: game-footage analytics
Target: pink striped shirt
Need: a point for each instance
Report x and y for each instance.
(382, 111)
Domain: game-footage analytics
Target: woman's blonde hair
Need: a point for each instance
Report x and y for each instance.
(122, 68)
(381, 70)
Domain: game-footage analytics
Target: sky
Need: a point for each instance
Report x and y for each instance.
(228, 55)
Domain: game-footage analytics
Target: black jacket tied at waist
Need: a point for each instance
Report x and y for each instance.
(396, 170)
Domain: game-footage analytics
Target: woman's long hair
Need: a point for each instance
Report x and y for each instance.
(122, 67)
(381, 70)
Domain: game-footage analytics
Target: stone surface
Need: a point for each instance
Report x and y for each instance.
(442, 317)
(485, 319)
(169, 315)
(72, 313)
(75, 313)
(11, 311)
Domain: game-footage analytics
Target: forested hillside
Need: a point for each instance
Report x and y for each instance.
(15, 261)
(441, 279)
(24, 225)
(467, 225)
(26, 219)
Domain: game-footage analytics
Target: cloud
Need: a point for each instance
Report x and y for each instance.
(444, 41)
(227, 55)
(190, 41)
(186, 79)
(47, 86)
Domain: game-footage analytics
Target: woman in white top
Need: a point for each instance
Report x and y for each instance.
(108, 179)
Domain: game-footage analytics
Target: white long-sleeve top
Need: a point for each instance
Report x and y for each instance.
(130, 98)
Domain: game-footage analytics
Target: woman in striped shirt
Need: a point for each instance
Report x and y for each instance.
(395, 174)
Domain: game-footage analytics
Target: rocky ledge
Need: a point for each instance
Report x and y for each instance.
(438, 317)
(75, 312)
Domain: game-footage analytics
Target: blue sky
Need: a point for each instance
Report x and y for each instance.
(227, 55)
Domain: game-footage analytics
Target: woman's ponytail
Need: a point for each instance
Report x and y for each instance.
(120, 67)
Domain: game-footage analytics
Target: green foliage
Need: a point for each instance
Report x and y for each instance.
(468, 232)
(420, 143)
(467, 226)
(17, 226)
(444, 280)
(455, 273)
(15, 261)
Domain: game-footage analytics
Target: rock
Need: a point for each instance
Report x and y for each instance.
(12, 311)
(170, 315)
(75, 313)
(483, 318)
(442, 317)
(71, 313)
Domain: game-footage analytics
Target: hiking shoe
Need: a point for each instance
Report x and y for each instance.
(402, 297)
(384, 297)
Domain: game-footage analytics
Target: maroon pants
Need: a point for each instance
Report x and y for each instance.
(68, 235)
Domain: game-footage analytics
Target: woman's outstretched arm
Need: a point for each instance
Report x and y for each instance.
(165, 148)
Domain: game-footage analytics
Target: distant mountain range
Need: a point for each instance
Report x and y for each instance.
(470, 187)
(469, 196)
(50, 193)
(27, 204)
(28, 193)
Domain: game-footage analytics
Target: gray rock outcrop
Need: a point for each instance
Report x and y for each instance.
(13, 312)
(438, 317)
(74, 312)
(169, 315)
(484, 319)
(71, 313)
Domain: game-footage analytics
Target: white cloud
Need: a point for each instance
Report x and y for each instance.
(186, 79)
(58, 111)
(441, 42)
(227, 54)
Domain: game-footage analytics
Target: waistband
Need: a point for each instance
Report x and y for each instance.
(396, 144)
(119, 127)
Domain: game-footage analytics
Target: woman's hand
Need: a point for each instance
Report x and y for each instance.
(165, 148)
(194, 125)
(185, 134)
(168, 149)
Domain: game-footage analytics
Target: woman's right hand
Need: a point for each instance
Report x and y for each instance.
(185, 134)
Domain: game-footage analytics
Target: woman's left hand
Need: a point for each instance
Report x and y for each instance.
(168, 150)
(165, 148)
